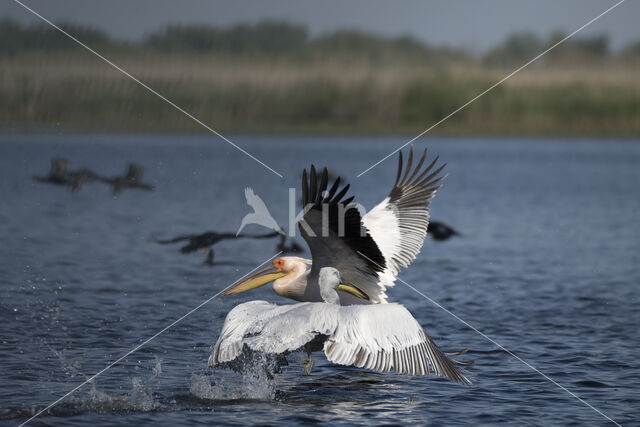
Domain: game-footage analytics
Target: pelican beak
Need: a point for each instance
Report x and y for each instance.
(353, 290)
(255, 280)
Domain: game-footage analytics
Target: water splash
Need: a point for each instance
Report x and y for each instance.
(255, 381)
(141, 396)
(140, 399)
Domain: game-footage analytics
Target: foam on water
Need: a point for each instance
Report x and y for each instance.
(255, 382)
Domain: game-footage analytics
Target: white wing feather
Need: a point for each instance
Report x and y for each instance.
(380, 337)
(399, 223)
(243, 320)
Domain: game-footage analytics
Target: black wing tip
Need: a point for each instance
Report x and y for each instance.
(405, 177)
(317, 191)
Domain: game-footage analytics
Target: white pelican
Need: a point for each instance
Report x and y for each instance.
(381, 337)
(369, 251)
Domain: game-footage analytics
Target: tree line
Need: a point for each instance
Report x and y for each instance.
(288, 40)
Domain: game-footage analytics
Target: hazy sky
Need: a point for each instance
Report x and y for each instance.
(471, 24)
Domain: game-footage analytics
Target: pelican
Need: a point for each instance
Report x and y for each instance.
(260, 214)
(381, 337)
(368, 250)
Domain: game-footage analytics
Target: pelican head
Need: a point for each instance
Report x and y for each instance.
(286, 273)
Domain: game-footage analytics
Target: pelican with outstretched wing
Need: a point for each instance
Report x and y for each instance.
(381, 337)
(368, 250)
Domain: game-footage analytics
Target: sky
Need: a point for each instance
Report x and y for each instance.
(471, 24)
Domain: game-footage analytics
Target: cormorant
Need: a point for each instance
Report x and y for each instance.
(82, 176)
(440, 231)
(204, 241)
(131, 179)
(58, 173)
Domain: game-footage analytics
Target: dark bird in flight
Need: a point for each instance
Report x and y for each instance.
(131, 179)
(58, 175)
(440, 231)
(204, 241)
(83, 176)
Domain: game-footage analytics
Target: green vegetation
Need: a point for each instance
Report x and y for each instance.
(273, 77)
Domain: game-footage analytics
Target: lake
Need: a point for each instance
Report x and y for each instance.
(548, 266)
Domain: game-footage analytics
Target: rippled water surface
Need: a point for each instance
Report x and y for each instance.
(548, 266)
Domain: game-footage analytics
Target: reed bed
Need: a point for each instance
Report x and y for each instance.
(326, 94)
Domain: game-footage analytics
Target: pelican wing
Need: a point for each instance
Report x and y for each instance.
(399, 223)
(333, 229)
(386, 337)
(244, 320)
(369, 250)
(381, 338)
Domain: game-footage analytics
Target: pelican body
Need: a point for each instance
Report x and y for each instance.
(382, 337)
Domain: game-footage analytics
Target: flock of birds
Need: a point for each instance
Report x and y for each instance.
(341, 292)
(75, 179)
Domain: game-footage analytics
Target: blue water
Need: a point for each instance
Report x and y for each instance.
(548, 266)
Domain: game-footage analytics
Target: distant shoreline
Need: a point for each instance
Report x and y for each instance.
(347, 83)
(235, 136)
(75, 91)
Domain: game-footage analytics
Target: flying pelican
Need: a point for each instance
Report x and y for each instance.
(204, 241)
(131, 179)
(368, 250)
(381, 337)
(260, 214)
(441, 231)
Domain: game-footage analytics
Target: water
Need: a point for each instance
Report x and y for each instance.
(548, 266)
